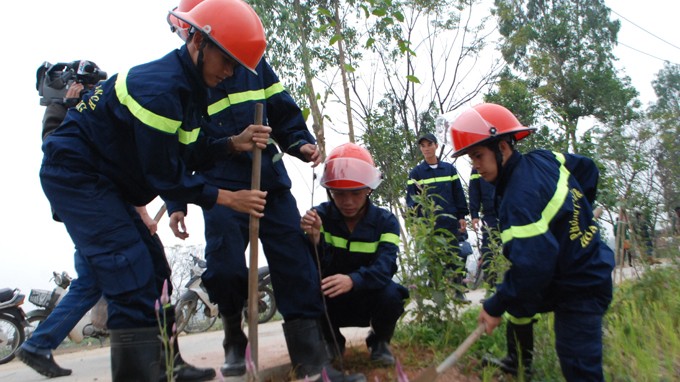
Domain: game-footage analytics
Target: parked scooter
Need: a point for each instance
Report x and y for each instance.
(46, 300)
(92, 324)
(195, 312)
(12, 323)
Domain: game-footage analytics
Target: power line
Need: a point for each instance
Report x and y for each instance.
(645, 30)
(646, 54)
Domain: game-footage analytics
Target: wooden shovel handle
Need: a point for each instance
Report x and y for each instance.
(253, 294)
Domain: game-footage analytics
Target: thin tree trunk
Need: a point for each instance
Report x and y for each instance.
(317, 117)
(343, 72)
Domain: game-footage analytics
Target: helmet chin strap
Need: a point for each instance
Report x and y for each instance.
(495, 147)
(199, 61)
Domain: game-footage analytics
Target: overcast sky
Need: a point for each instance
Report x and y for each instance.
(123, 33)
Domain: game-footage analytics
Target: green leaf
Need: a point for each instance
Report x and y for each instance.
(349, 68)
(370, 42)
(380, 12)
(399, 16)
(413, 79)
(366, 12)
(335, 39)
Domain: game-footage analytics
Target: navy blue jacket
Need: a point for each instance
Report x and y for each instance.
(368, 254)
(136, 128)
(232, 109)
(550, 236)
(445, 182)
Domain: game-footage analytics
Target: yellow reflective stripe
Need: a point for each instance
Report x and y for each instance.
(273, 90)
(359, 246)
(541, 226)
(250, 95)
(391, 238)
(145, 116)
(187, 137)
(521, 320)
(218, 106)
(475, 176)
(334, 241)
(439, 179)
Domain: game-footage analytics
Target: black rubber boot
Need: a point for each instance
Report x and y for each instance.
(378, 341)
(234, 344)
(520, 344)
(182, 371)
(309, 352)
(43, 364)
(135, 355)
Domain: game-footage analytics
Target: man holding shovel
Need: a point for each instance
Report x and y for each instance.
(127, 142)
(294, 275)
(559, 263)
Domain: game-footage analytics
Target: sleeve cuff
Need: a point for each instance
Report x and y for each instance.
(494, 306)
(208, 197)
(356, 280)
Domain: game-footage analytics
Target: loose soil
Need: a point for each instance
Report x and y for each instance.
(414, 362)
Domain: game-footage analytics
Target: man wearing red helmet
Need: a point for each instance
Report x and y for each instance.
(357, 244)
(558, 261)
(83, 293)
(127, 142)
(294, 277)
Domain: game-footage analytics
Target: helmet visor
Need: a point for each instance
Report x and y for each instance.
(350, 174)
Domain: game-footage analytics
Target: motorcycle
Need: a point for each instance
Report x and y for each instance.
(12, 323)
(46, 300)
(92, 324)
(195, 312)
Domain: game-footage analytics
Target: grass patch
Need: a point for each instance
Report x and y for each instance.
(641, 337)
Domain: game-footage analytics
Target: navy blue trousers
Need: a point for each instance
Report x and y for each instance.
(578, 329)
(578, 340)
(295, 279)
(115, 253)
(379, 309)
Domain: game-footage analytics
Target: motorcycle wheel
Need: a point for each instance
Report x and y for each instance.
(184, 310)
(193, 317)
(266, 305)
(201, 320)
(11, 337)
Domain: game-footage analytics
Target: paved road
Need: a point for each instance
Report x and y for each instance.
(203, 349)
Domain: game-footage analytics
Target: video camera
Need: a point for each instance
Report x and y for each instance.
(52, 81)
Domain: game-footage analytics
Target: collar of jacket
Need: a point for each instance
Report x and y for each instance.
(195, 80)
(426, 165)
(368, 219)
(506, 173)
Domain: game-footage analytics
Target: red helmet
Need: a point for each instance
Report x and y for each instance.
(482, 123)
(350, 167)
(178, 26)
(232, 25)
